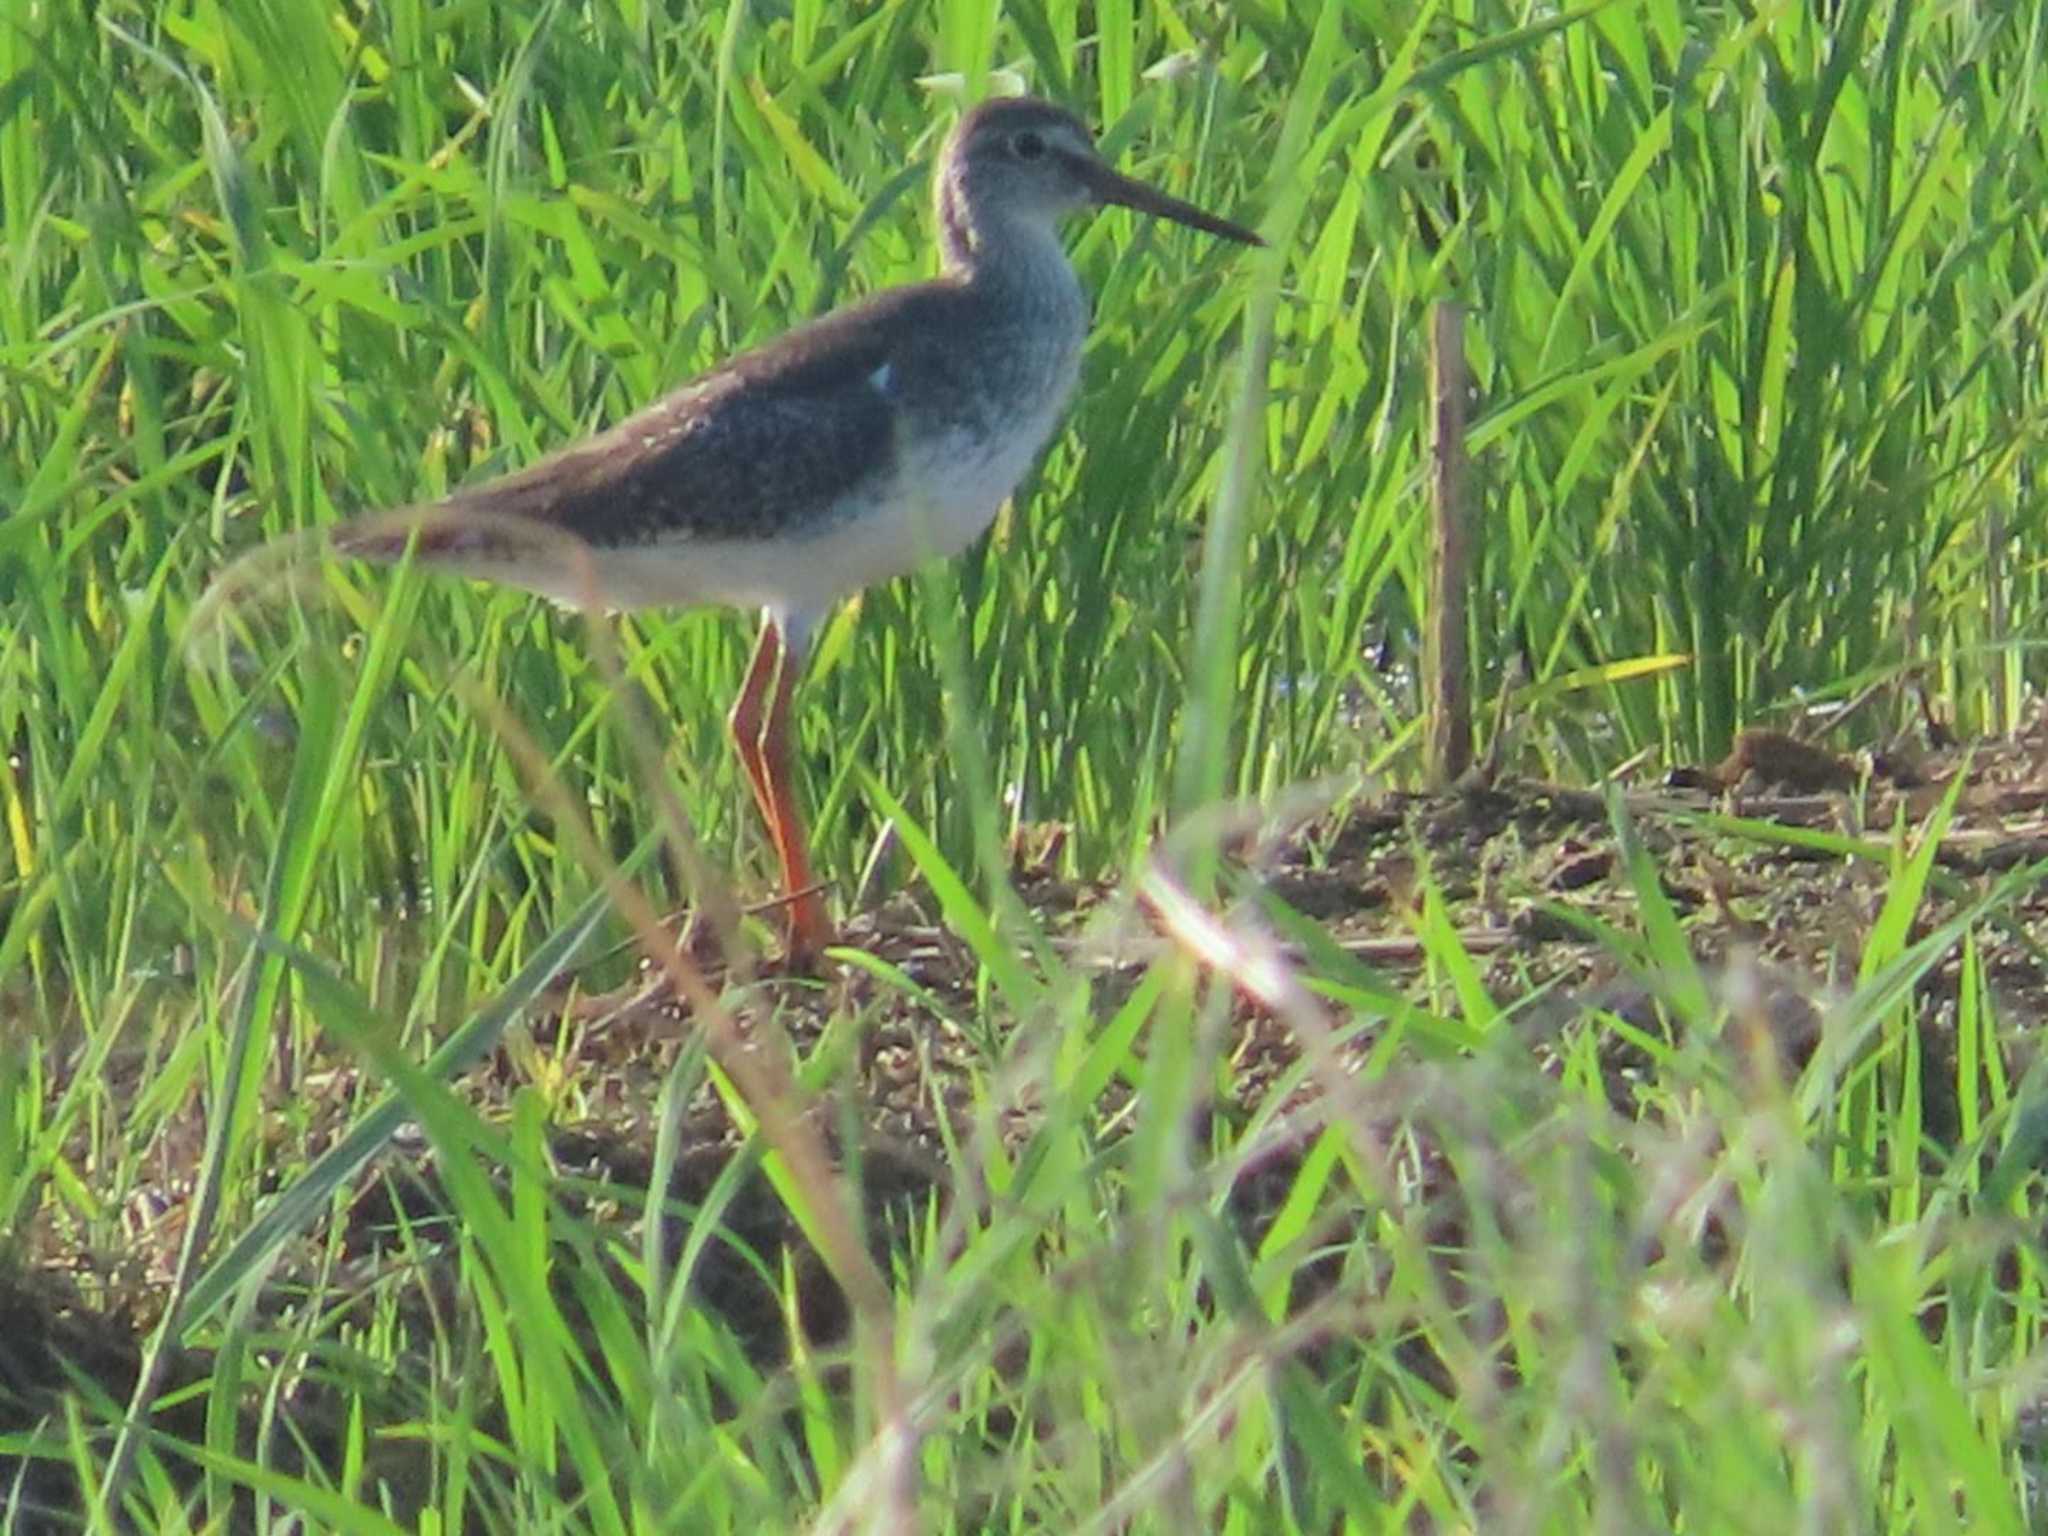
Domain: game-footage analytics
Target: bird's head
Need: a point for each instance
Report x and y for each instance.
(1020, 157)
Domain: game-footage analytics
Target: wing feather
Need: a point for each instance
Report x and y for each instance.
(770, 439)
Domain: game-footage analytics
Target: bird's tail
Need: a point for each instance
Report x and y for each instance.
(462, 539)
(441, 534)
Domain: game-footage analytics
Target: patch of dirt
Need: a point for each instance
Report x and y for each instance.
(1526, 872)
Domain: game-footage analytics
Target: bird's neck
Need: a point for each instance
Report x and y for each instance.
(991, 250)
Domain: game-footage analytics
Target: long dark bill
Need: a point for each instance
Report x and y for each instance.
(1110, 187)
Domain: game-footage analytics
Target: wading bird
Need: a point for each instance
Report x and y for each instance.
(841, 454)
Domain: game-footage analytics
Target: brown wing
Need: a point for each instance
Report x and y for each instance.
(772, 439)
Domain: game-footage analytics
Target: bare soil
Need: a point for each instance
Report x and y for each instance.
(1526, 871)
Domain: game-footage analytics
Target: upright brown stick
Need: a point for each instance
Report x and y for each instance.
(1446, 679)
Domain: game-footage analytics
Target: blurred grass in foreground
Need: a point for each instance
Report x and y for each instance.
(1757, 299)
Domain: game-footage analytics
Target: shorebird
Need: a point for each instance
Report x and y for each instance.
(843, 453)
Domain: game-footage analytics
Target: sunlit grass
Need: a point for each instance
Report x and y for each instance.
(1755, 301)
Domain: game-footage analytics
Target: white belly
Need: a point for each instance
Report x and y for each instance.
(946, 493)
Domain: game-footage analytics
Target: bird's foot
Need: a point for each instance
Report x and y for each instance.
(807, 930)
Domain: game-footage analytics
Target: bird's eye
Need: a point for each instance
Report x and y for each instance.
(1027, 145)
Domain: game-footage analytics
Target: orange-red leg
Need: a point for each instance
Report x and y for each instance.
(762, 737)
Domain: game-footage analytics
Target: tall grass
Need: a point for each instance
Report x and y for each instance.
(1756, 300)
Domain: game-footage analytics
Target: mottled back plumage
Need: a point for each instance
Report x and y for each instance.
(838, 455)
(843, 451)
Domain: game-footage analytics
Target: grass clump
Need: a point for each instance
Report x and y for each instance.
(1200, 1133)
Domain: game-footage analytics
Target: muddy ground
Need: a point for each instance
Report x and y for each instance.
(1514, 862)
